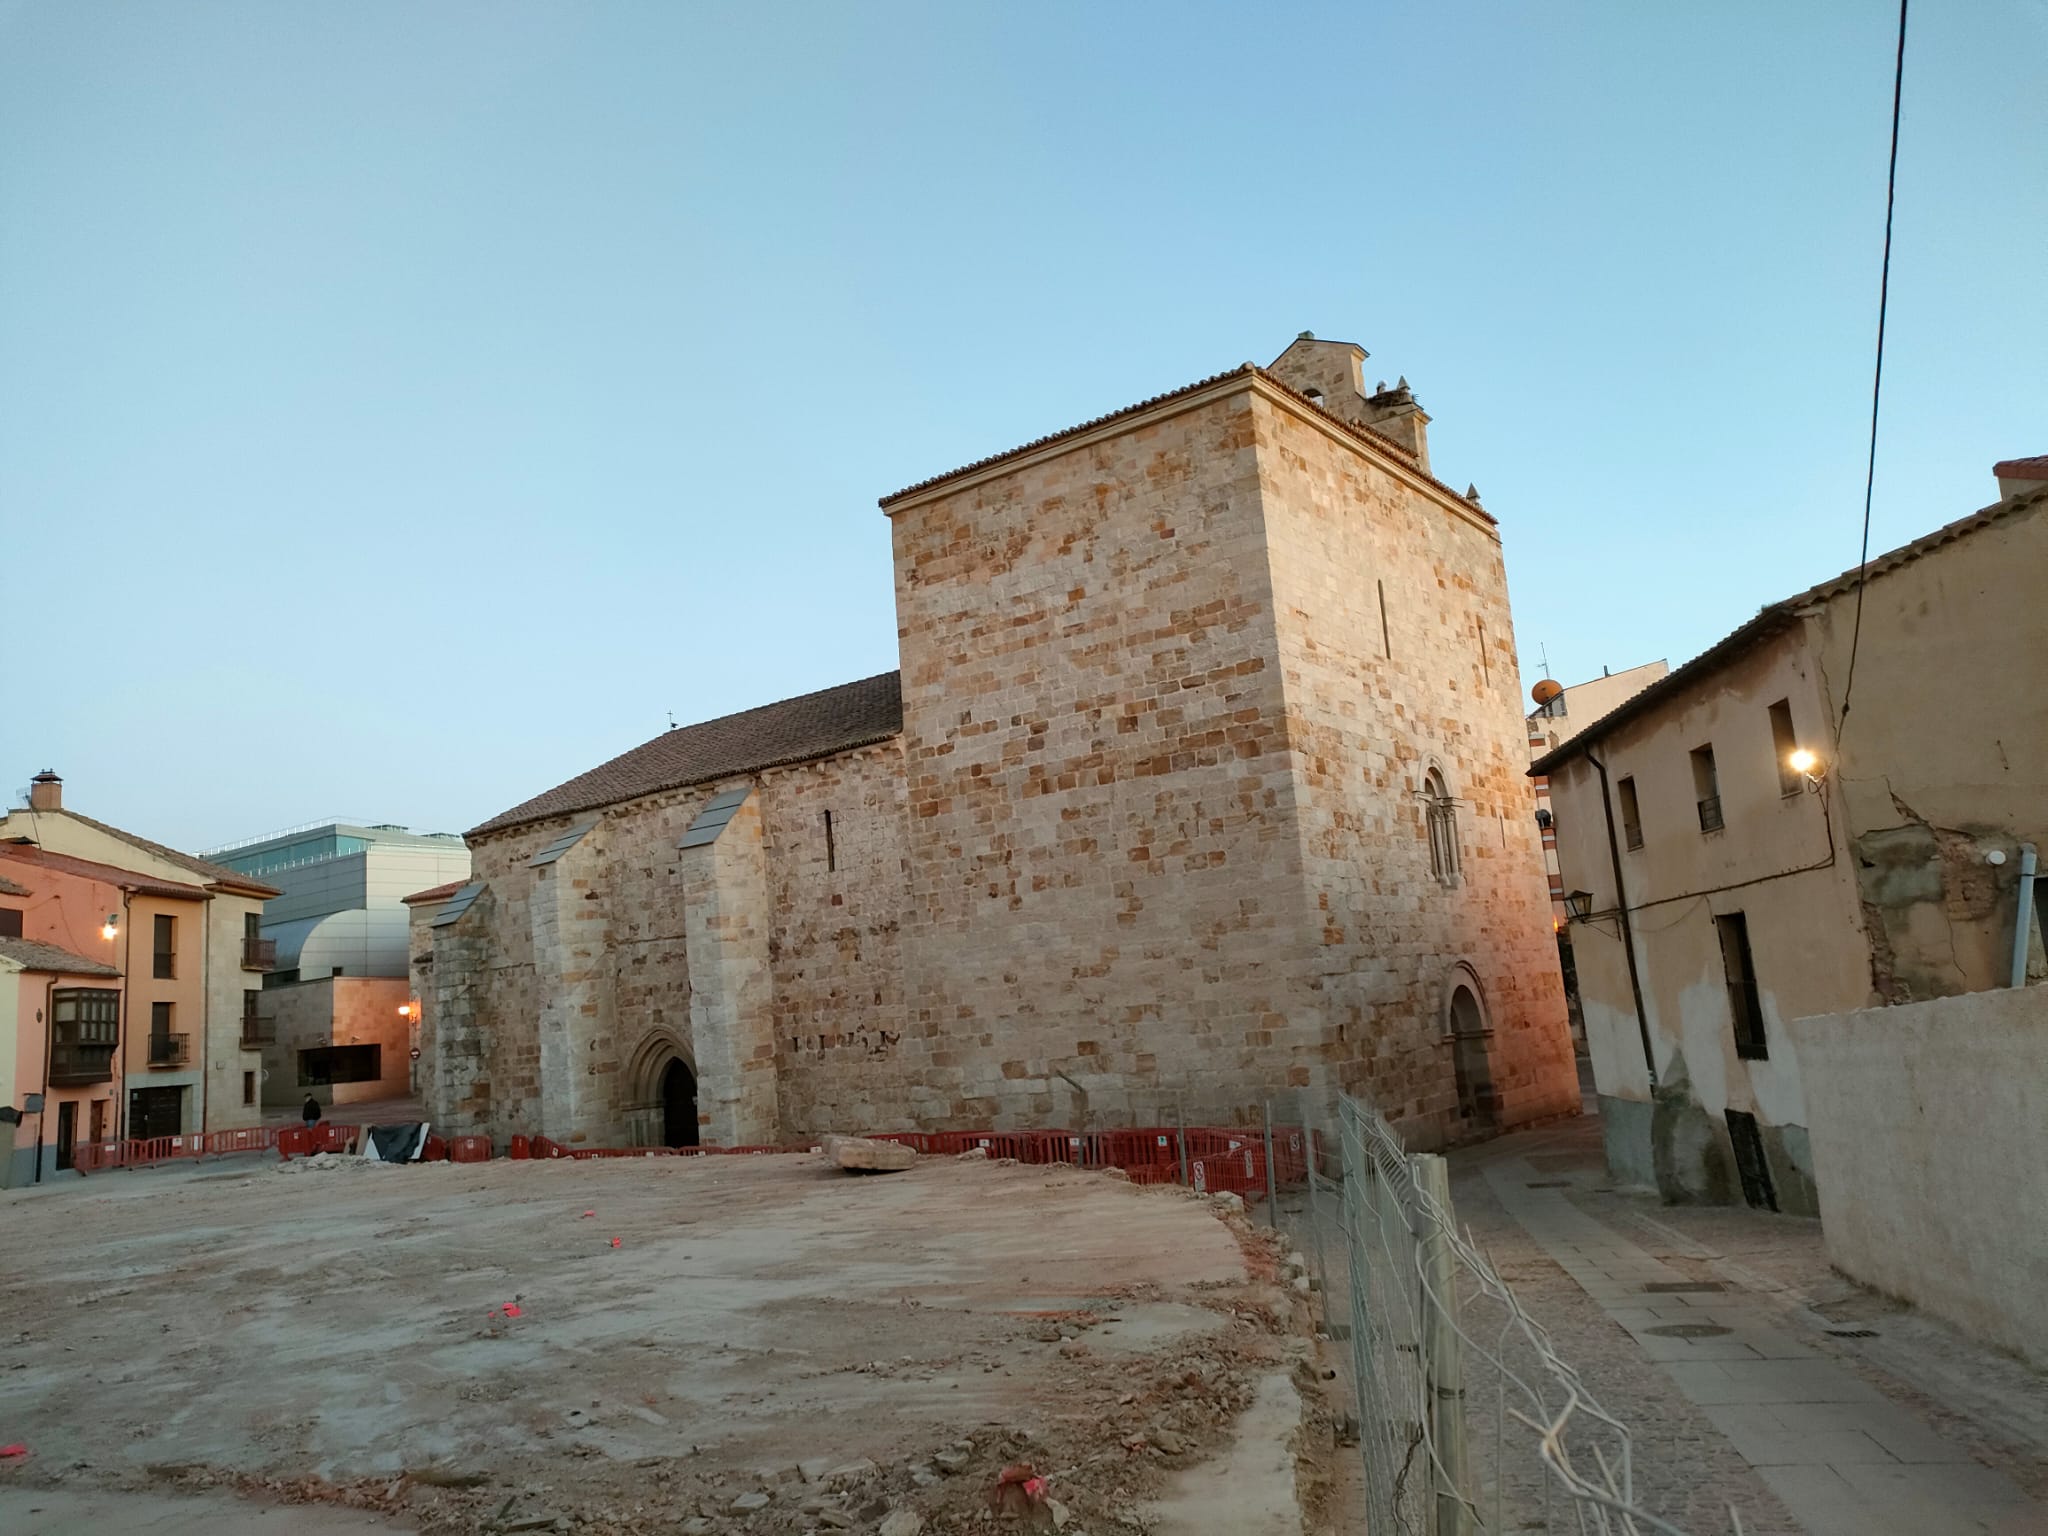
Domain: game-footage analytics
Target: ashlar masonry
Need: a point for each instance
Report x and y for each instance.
(1201, 782)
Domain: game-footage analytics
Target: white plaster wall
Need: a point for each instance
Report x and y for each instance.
(1929, 1126)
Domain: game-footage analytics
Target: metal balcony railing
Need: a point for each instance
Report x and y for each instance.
(258, 1029)
(259, 954)
(1710, 814)
(170, 1050)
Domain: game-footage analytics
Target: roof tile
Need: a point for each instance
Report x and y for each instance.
(34, 955)
(794, 731)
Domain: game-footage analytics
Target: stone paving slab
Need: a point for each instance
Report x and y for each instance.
(1843, 1458)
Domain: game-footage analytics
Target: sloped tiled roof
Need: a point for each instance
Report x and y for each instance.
(2035, 468)
(793, 731)
(112, 874)
(34, 955)
(1774, 617)
(213, 874)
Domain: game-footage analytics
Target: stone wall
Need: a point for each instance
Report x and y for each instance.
(337, 1010)
(1105, 914)
(1397, 656)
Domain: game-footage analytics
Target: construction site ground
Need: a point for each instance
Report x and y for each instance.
(735, 1344)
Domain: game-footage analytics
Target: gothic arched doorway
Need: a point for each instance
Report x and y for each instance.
(678, 1106)
(1478, 1105)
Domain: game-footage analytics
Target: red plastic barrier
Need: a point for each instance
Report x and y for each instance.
(294, 1141)
(435, 1151)
(468, 1149)
(254, 1138)
(329, 1137)
(521, 1148)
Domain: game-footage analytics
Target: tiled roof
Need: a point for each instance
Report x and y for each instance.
(433, 893)
(1379, 442)
(91, 869)
(33, 955)
(793, 731)
(1778, 616)
(213, 874)
(9, 888)
(2035, 468)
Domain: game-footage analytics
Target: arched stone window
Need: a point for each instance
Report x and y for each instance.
(1440, 811)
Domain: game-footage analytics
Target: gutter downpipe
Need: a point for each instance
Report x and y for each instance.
(1628, 936)
(121, 1021)
(49, 1044)
(2022, 928)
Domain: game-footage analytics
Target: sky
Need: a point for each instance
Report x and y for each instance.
(404, 408)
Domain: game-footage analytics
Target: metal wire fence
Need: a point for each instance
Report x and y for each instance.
(1468, 1421)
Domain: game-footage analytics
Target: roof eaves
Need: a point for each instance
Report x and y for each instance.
(216, 874)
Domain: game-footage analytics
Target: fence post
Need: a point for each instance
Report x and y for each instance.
(1442, 1349)
(1272, 1189)
(1180, 1131)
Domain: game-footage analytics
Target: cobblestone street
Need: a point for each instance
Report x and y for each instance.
(1749, 1372)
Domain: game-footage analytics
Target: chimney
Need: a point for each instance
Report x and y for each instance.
(2016, 477)
(46, 792)
(1394, 413)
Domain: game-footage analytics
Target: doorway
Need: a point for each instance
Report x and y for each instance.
(1478, 1105)
(154, 1112)
(678, 1106)
(67, 1132)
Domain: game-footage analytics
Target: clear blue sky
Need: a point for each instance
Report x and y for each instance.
(403, 407)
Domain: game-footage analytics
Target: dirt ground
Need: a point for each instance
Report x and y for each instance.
(756, 1344)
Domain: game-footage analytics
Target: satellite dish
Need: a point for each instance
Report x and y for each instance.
(1545, 691)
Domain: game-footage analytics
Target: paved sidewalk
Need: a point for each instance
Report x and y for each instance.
(1844, 1459)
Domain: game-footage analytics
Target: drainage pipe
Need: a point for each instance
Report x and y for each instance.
(1628, 937)
(2023, 925)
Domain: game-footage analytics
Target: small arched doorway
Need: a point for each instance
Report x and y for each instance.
(1478, 1105)
(678, 1106)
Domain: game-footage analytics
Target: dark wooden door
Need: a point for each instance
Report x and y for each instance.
(154, 1112)
(67, 1131)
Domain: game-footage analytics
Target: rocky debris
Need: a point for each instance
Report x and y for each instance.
(835, 1519)
(861, 1154)
(1226, 1201)
(851, 1471)
(902, 1522)
(748, 1502)
(952, 1459)
(541, 1522)
(972, 1155)
(1168, 1442)
(697, 1525)
(814, 1470)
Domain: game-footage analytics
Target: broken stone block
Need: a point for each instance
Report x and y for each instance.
(814, 1469)
(747, 1503)
(860, 1154)
(902, 1522)
(951, 1460)
(851, 1470)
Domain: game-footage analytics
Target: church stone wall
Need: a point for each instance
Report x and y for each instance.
(1371, 707)
(1105, 915)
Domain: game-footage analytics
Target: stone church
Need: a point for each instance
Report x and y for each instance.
(1202, 782)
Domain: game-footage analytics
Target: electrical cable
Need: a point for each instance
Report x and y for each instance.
(1877, 381)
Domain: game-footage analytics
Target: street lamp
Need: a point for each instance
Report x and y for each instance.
(111, 927)
(1578, 906)
(1806, 763)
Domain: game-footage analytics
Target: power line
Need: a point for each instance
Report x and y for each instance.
(1884, 283)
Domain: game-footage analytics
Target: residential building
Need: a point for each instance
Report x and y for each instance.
(329, 1022)
(1724, 884)
(1201, 782)
(1561, 712)
(190, 952)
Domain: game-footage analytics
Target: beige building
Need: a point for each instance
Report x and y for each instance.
(1727, 893)
(1563, 712)
(1202, 781)
(194, 964)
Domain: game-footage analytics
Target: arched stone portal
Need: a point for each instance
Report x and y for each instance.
(678, 1105)
(1471, 1054)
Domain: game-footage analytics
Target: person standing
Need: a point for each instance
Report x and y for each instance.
(311, 1113)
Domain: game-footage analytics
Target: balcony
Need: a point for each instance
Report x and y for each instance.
(78, 1066)
(170, 1050)
(258, 1029)
(259, 954)
(1710, 814)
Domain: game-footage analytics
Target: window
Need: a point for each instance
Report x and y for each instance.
(83, 1026)
(831, 851)
(252, 925)
(1631, 812)
(166, 966)
(10, 922)
(1485, 670)
(248, 1087)
(1707, 786)
(159, 1018)
(1440, 813)
(1386, 645)
(326, 1064)
(1784, 742)
(1743, 1006)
